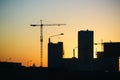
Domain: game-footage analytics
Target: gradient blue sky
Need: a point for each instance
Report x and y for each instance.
(20, 42)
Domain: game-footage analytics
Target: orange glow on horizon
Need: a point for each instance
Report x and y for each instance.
(21, 42)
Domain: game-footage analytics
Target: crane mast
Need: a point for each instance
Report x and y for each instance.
(41, 37)
(41, 40)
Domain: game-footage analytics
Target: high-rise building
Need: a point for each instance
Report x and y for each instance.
(85, 46)
(55, 54)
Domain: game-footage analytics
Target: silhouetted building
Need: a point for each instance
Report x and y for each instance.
(71, 63)
(111, 56)
(112, 49)
(107, 60)
(85, 46)
(98, 62)
(10, 65)
(55, 54)
(100, 54)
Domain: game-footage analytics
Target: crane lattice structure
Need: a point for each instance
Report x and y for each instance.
(102, 44)
(41, 36)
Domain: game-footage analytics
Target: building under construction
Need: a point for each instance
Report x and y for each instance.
(108, 60)
(55, 54)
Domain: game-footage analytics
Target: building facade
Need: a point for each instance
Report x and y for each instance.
(55, 54)
(111, 56)
(85, 46)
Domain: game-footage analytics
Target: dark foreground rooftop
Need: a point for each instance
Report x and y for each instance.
(34, 73)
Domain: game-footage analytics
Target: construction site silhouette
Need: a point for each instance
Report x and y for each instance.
(105, 66)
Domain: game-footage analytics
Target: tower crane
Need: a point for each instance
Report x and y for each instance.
(55, 35)
(41, 36)
(100, 44)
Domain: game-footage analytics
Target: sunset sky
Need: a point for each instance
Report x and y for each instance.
(19, 42)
